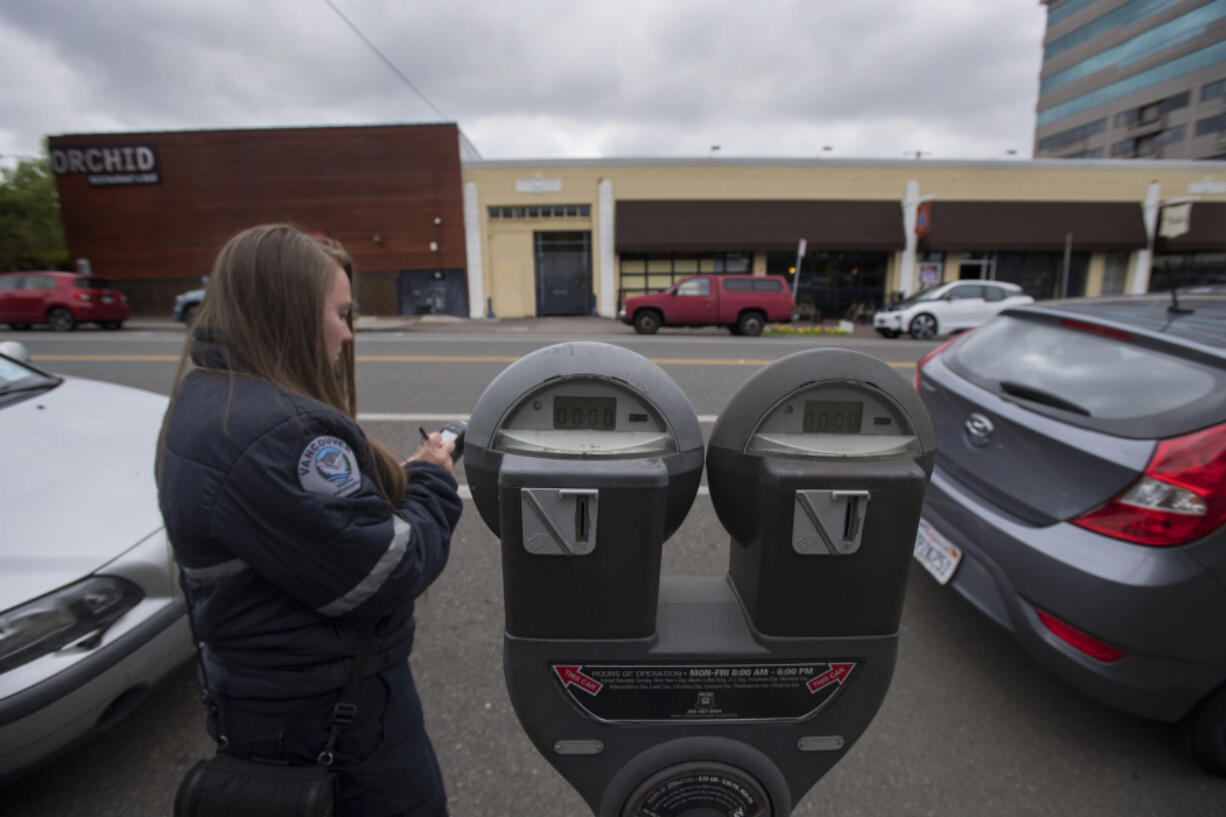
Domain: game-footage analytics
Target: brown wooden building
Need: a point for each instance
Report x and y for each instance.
(151, 210)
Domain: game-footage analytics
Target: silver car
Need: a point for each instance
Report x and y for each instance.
(1079, 496)
(90, 615)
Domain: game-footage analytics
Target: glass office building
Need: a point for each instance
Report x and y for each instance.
(1127, 79)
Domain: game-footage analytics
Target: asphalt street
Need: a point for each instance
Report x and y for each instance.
(970, 726)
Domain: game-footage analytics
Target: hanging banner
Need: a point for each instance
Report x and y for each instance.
(923, 219)
(1176, 220)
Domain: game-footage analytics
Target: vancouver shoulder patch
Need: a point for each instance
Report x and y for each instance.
(328, 466)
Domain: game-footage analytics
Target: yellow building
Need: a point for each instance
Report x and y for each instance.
(557, 237)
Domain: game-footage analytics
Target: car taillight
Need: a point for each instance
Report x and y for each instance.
(1180, 498)
(924, 360)
(1076, 638)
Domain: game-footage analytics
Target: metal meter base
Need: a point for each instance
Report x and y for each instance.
(706, 714)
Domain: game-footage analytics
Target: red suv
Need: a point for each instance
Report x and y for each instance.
(60, 299)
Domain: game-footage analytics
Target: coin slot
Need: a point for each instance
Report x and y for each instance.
(851, 519)
(582, 519)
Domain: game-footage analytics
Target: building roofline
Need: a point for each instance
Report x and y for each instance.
(894, 164)
(254, 129)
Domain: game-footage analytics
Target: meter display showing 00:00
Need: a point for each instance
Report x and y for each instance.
(832, 416)
(599, 413)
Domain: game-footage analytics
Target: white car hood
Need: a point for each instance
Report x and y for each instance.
(77, 489)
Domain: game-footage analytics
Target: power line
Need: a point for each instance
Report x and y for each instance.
(386, 61)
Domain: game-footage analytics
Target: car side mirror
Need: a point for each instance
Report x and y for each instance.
(15, 350)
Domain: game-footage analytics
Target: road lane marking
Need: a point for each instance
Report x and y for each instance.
(436, 417)
(437, 358)
(659, 361)
(466, 493)
(108, 358)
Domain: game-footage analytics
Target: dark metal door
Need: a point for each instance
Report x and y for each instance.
(563, 273)
(432, 292)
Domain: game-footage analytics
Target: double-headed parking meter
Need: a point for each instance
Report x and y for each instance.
(697, 696)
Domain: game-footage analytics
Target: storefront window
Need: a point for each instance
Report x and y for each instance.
(1201, 269)
(1115, 271)
(641, 273)
(834, 285)
(1039, 274)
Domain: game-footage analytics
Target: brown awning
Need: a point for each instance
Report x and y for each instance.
(1206, 231)
(980, 226)
(714, 226)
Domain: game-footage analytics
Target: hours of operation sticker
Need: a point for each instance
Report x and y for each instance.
(703, 692)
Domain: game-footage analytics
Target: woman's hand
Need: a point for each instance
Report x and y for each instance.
(434, 449)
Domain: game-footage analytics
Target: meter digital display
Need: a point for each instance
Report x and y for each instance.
(597, 413)
(583, 416)
(833, 419)
(832, 416)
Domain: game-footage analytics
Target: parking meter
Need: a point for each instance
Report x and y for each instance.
(707, 695)
(583, 457)
(817, 469)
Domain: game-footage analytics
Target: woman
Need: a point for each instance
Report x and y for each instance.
(293, 529)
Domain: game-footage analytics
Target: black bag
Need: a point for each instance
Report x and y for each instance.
(229, 786)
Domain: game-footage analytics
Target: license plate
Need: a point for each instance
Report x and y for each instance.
(936, 553)
(106, 299)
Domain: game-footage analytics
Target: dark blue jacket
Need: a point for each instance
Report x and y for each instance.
(271, 503)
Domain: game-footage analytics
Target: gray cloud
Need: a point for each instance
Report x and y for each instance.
(541, 78)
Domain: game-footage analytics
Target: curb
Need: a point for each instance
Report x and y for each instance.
(573, 326)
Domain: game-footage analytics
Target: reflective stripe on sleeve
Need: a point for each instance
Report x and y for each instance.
(214, 572)
(373, 580)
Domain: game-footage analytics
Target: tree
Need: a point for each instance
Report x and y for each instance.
(31, 233)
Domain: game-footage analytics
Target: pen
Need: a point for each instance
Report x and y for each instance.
(424, 435)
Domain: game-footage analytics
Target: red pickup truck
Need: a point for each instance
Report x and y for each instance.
(743, 303)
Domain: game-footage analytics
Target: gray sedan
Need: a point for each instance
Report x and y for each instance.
(1079, 496)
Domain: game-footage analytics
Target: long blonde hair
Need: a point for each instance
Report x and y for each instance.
(265, 306)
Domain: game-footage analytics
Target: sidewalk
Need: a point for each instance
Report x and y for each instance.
(568, 326)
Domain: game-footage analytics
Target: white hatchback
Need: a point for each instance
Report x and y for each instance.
(948, 308)
(90, 614)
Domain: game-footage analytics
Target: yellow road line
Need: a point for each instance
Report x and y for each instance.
(438, 358)
(660, 361)
(108, 358)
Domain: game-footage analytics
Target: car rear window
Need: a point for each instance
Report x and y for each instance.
(10, 282)
(767, 285)
(92, 283)
(738, 284)
(1098, 377)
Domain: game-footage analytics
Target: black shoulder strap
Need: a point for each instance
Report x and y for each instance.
(343, 713)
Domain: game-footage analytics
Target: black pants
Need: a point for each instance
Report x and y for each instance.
(384, 762)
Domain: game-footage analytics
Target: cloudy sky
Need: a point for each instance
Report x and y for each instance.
(541, 79)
